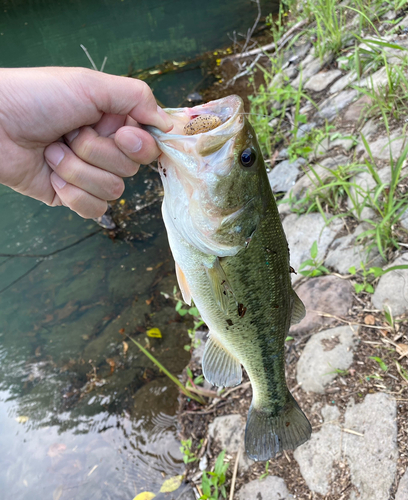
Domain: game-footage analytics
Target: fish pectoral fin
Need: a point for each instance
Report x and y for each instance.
(267, 433)
(185, 289)
(219, 284)
(298, 309)
(220, 368)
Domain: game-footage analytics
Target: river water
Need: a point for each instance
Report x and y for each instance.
(82, 413)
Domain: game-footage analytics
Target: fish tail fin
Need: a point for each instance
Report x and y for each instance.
(267, 434)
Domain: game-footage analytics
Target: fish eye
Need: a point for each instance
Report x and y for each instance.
(248, 157)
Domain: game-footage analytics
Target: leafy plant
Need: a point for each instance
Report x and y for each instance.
(183, 389)
(380, 362)
(213, 483)
(369, 275)
(316, 267)
(266, 473)
(188, 455)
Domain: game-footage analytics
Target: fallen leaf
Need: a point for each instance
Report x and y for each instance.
(155, 333)
(111, 363)
(149, 269)
(171, 484)
(22, 419)
(369, 319)
(122, 331)
(149, 301)
(402, 349)
(146, 495)
(122, 202)
(125, 347)
(56, 449)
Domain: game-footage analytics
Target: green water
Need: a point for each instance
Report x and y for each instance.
(80, 418)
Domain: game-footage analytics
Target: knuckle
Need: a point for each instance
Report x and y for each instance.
(117, 187)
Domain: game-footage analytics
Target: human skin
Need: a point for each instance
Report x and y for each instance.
(68, 136)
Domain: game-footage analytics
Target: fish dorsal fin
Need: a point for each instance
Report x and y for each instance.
(185, 289)
(220, 368)
(298, 309)
(219, 284)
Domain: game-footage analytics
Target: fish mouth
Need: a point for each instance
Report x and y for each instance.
(229, 112)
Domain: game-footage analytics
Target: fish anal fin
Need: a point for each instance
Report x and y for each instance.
(267, 434)
(220, 368)
(298, 309)
(219, 284)
(185, 289)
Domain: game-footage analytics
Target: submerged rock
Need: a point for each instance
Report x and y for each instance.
(324, 354)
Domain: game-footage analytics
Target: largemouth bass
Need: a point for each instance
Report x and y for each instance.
(232, 260)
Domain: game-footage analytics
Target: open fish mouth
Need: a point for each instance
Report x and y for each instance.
(206, 127)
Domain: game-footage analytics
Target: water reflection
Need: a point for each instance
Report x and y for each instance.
(74, 396)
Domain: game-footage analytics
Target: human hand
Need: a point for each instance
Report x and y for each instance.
(69, 135)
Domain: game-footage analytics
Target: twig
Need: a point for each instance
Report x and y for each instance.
(269, 46)
(88, 55)
(234, 475)
(103, 64)
(349, 431)
(350, 323)
(251, 31)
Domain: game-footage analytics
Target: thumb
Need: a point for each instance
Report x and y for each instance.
(127, 96)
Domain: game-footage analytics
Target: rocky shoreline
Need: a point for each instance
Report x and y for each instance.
(347, 361)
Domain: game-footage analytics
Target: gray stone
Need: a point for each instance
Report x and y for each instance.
(403, 24)
(290, 72)
(302, 231)
(321, 80)
(326, 294)
(354, 111)
(375, 81)
(327, 144)
(310, 68)
(404, 220)
(331, 107)
(321, 170)
(305, 128)
(392, 289)
(283, 154)
(345, 252)
(384, 146)
(270, 488)
(372, 457)
(229, 431)
(402, 492)
(366, 183)
(343, 82)
(316, 456)
(324, 353)
(371, 454)
(369, 129)
(283, 176)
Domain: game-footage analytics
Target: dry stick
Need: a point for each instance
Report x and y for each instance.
(269, 46)
(234, 475)
(327, 315)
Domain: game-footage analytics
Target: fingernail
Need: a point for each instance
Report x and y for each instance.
(56, 179)
(71, 135)
(130, 141)
(168, 124)
(54, 154)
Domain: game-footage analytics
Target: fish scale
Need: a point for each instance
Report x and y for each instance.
(232, 260)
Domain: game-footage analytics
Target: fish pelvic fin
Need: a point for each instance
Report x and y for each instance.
(220, 368)
(298, 309)
(219, 284)
(267, 434)
(182, 282)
